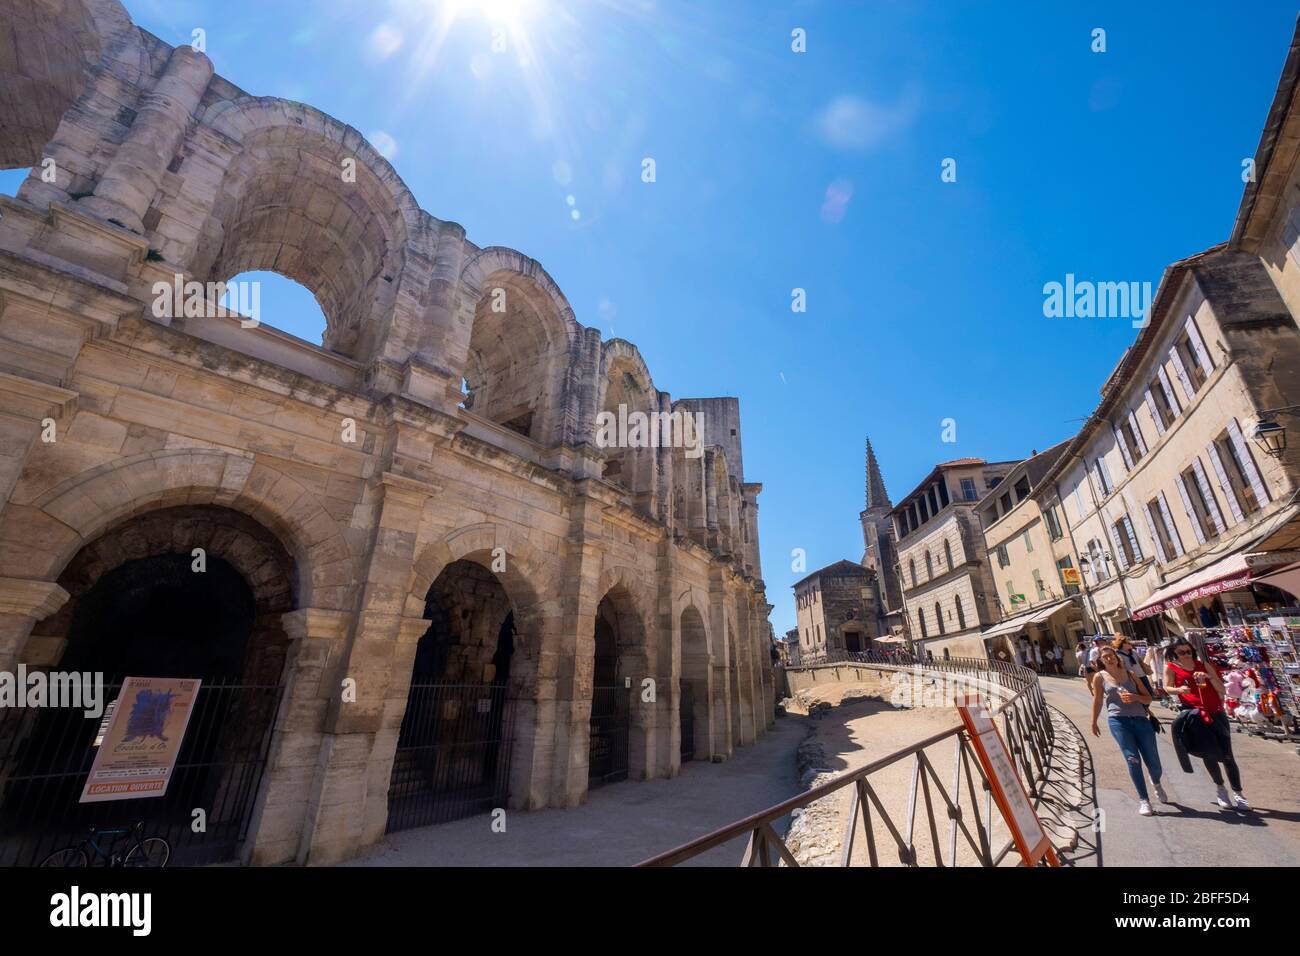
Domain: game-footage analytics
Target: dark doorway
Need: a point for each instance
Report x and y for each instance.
(610, 706)
(155, 616)
(453, 748)
(853, 642)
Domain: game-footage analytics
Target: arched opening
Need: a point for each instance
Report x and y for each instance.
(518, 353)
(193, 592)
(46, 50)
(11, 180)
(853, 640)
(302, 205)
(619, 721)
(456, 738)
(630, 407)
(271, 299)
(693, 702)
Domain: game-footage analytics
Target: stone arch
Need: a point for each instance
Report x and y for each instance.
(251, 549)
(521, 340)
(48, 50)
(45, 534)
(627, 654)
(625, 391)
(696, 671)
(138, 606)
(523, 583)
(287, 205)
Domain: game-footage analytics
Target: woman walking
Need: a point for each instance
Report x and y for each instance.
(1200, 688)
(1125, 698)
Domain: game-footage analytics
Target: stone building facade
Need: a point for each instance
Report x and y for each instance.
(949, 592)
(837, 609)
(1030, 555)
(423, 490)
(880, 552)
(1169, 490)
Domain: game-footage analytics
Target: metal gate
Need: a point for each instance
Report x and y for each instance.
(46, 753)
(686, 710)
(611, 715)
(453, 754)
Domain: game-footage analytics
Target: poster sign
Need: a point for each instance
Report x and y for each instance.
(1071, 576)
(139, 747)
(1008, 792)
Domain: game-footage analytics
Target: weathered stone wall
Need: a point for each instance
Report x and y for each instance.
(354, 463)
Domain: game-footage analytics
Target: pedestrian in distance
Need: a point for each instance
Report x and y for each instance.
(1200, 688)
(1125, 700)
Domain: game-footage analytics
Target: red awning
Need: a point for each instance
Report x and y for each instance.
(1226, 574)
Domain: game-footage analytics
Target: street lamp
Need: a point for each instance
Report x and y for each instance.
(1269, 435)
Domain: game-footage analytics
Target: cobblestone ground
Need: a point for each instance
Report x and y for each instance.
(1192, 830)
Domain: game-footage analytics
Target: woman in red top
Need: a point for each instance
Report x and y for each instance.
(1199, 687)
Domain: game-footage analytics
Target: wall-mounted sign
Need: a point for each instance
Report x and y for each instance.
(1071, 576)
(138, 749)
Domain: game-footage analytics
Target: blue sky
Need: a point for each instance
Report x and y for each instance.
(820, 171)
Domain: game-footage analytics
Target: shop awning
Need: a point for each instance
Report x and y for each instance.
(1021, 621)
(1288, 579)
(889, 639)
(1226, 574)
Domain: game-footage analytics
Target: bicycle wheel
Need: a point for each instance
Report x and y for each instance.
(68, 856)
(151, 851)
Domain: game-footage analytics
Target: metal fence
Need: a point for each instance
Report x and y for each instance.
(46, 754)
(453, 754)
(611, 718)
(963, 807)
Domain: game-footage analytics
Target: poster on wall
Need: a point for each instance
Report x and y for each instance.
(143, 739)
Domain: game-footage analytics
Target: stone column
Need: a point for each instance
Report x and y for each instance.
(348, 807)
(316, 639)
(22, 604)
(128, 186)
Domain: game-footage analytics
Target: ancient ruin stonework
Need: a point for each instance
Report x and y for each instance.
(442, 436)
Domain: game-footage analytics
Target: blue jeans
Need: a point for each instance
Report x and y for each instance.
(1137, 741)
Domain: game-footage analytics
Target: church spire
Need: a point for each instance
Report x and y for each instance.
(877, 497)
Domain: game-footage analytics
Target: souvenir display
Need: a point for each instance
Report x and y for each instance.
(1260, 664)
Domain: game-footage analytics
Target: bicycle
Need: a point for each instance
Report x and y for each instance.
(144, 851)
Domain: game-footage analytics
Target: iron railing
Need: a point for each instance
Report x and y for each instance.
(453, 754)
(611, 718)
(46, 754)
(1026, 725)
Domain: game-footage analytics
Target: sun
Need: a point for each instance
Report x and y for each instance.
(512, 13)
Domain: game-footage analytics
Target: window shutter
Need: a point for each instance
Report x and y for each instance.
(1224, 483)
(1132, 537)
(1151, 525)
(1120, 557)
(1181, 371)
(1291, 234)
(1105, 473)
(1169, 523)
(1191, 512)
(1208, 494)
(1169, 391)
(1137, 432)
(1198, 346)
(1123, 449)
(1155, 413)
(1248, 463)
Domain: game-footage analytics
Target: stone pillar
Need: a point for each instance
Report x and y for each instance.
(22, 604)
(128, 186)
(746, 669)
(316, 639)
(575, 643)
(348, 807)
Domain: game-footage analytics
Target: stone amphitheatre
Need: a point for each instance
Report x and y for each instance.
(412, 541)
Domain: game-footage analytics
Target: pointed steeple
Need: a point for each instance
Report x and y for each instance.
(877, 497)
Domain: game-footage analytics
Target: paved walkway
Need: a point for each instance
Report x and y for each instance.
(1193, 830)
(620, 824)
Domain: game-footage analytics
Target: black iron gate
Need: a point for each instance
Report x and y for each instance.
(611, 715)
(46, 753)
(686, 711)
(453, 754)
